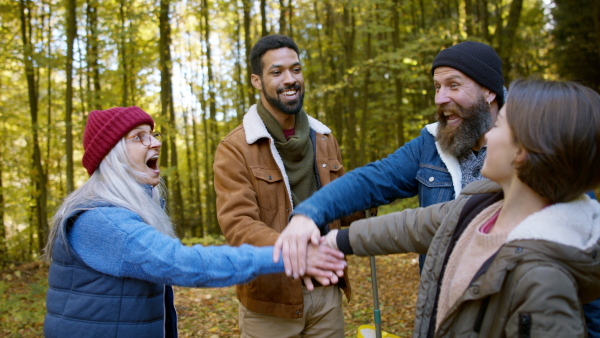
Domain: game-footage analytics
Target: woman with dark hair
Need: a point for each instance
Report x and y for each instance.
(112, 249)
(515, 255)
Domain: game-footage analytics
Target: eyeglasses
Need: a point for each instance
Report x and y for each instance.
(144, 137)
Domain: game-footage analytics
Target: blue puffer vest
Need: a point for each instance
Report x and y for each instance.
(82, 302)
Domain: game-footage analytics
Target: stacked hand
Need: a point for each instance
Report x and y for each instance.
(293, 243)
(324, 264)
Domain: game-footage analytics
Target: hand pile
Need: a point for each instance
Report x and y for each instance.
(306, 254)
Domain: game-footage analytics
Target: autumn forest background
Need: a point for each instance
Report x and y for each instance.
(366, 65)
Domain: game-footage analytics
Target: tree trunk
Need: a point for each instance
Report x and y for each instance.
(290, 19)
(484, 18)
(321, 63)
(49, 84)
(248, 46)
(469, 17)
(123, 65)
(263, 18)
(168, 114)
(507, 37)
(398, 85)
(239, 73)
(350, 37)
(364, 121)
(198, 225)
(71, 35)
(213, 132)
(93, 57)
(3, 238)
(334, 110)
(282, 14)
(39, 177)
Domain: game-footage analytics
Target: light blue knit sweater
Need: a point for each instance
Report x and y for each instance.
(117, 242)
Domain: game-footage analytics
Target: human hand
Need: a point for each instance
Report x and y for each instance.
(292, 243)
(324, 264)
(331, 239)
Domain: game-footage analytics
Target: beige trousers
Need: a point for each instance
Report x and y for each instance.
(323, 317)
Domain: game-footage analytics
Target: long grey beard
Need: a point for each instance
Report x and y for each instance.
(477, 120)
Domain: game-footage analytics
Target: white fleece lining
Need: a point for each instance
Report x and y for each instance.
(450, 161)
(255, 129)
(575, 224)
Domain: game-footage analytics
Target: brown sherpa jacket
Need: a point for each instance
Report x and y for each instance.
(254, 203)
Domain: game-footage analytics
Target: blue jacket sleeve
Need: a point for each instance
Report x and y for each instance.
(117, 242)
(375, 184)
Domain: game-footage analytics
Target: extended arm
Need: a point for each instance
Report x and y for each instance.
(411, 230)
(117, 242)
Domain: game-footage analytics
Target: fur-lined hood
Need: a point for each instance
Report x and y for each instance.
(575, 223)
(567, 233)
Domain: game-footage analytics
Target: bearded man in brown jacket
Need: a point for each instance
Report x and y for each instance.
(274, 160)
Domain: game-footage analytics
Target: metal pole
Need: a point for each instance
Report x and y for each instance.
(376, 311)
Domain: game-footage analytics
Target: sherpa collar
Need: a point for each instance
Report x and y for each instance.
(255, 128)
(449, 160)
(575, 223)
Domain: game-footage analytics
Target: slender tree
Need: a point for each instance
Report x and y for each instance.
(123, 55)
(93, 56)
(247, 5)
(213, 132)
(282, 14)
(263, 18)
(39, 177)
(507, 36)
(168, 112)
(398, 85)
(71, 35)
(3, 239)
(349, 42)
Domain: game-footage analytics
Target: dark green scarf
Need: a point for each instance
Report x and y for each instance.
(297, 153)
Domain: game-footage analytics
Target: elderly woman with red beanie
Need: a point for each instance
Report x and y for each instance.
(113, 251)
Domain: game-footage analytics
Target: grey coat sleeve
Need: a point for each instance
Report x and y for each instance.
(411, 230)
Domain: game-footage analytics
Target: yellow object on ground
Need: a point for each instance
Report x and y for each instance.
(368, 331)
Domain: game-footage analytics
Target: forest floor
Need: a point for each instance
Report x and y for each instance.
(213, 312)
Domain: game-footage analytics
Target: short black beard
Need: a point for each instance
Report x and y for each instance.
(292, 107)
(476, 121)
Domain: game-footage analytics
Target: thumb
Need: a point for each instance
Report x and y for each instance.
(315, 236)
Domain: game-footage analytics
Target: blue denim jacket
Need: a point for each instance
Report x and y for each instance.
(417, 168)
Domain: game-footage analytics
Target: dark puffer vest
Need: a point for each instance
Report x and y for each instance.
(82, 302)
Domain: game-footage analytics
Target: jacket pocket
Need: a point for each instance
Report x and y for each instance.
(435, 185)
(333, 166)
(434, 177)
(271, 191)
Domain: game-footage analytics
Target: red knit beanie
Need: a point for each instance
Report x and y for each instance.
(105, 128)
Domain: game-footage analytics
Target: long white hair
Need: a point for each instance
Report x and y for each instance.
(115, 182)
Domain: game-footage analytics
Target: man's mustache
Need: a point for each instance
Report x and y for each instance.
(294, 86)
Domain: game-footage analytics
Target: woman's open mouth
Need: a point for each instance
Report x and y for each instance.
(152, 163)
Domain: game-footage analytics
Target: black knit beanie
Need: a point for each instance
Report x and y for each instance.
(478, 61)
